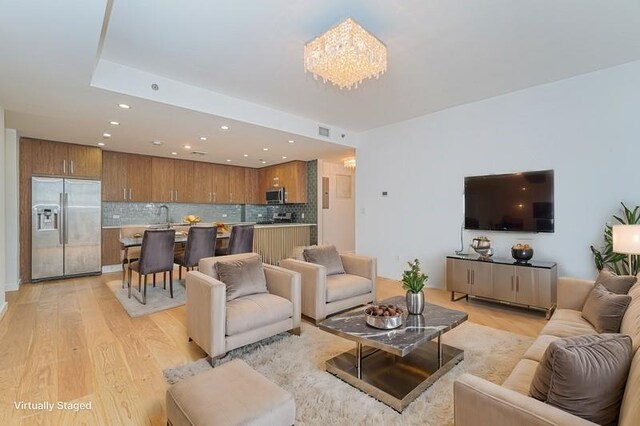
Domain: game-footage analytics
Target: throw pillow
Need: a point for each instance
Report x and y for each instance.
(604, 309)
(326, 256)
(585, 376)
(619, 284)
(242, 277)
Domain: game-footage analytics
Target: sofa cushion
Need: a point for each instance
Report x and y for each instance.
(242, 276)
(255, 311)
(567, 323)
(585, 376)
(631, 321)
(345, 286)
(604, 309)
(520, 378)
(326, 256)
(539, 347)
(619, 284)
(630, 410)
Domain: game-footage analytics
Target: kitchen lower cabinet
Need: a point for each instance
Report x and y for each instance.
(533, 285)
(110, 246)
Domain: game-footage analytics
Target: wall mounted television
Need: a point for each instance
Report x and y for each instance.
(518, 202)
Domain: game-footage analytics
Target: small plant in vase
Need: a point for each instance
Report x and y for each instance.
(413, 280)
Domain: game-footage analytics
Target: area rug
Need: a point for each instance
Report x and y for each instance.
(296, 363)
(158, 299)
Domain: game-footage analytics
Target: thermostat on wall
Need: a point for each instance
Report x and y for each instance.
(385, 193)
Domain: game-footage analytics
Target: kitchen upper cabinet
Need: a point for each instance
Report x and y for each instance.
(63, 159)
(291, 176)
(220, 183)
(183, 180)
(162, 180)
(237, 185)
(252, 186)
(125, 177)
(203, 183)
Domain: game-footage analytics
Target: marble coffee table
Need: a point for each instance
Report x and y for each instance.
(395, 366)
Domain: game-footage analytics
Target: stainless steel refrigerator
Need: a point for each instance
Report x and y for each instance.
(66, 222)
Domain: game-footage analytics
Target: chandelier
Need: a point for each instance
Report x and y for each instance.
(350, 163)
(345, 55)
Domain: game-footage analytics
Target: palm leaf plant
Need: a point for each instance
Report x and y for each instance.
(413, 279)
(606, 257)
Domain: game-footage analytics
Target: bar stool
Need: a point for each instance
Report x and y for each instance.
(240, 241)
(156, 255)
(201, 243)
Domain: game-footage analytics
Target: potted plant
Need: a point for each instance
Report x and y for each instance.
(413, 280)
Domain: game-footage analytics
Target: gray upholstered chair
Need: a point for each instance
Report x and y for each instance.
(156, 255)
(323, 295)
(240, 241)
(218, 325)
(201, 243)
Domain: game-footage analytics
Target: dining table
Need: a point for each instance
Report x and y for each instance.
(181, 238)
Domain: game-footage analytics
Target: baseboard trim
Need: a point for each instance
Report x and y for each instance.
(3, 310)
(12, 287)
(111, 268)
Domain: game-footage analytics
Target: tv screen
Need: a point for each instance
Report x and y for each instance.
(521, 202)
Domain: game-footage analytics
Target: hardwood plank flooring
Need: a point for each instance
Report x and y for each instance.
(71, 340)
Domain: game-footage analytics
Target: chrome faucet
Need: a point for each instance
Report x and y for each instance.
(166, 213)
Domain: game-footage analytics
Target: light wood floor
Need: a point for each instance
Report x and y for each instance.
(71, 340)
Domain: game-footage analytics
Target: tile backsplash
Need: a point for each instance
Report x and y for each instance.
(149, 213)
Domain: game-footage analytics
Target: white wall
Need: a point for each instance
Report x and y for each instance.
(11, 209)
(2, 216)
(338, 221)
(586, 128)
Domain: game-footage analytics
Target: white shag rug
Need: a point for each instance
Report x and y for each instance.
(297, 364)
(158, 299)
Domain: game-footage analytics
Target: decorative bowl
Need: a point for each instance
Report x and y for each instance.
(522, 255)
(383, 322)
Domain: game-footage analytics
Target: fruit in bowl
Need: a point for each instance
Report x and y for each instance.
(384, 317)
(191, 219)
(522, 253)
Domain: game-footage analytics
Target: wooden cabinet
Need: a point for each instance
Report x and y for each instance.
(203, 183)
(63, 159)
(220, 183)
(162, 187)
(252, 187)
(126, 177)
(110, 246)
(532, 285)
(183, 181)
(237, 186)
(291, 176)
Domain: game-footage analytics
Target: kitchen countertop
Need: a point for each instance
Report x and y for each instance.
(274, 225)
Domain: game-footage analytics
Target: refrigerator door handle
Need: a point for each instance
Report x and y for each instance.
(66, 218)
(60, 218)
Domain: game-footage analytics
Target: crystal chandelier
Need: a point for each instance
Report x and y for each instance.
(345, 55)
(350, 163)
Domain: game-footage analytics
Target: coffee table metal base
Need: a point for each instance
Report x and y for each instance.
(391, 379)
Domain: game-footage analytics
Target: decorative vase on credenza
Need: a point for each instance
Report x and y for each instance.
(413, 281)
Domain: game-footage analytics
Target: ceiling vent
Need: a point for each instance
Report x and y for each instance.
(323, 131)
(198, 153)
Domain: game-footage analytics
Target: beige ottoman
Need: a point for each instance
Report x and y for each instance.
(231, 394)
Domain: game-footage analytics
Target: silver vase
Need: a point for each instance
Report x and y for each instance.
(415, 303)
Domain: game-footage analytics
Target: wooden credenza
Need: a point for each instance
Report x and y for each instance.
(533, 284)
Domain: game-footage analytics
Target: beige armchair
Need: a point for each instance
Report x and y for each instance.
(218, 325)
(324, 295)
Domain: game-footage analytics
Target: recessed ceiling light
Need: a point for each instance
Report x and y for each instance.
(106, 135)
(187, 147)
(224, 127)
(265, 149)
(114, 123)
(228, 161)
(202, 138)
(245, 155)
(263, 162)
(100, 143)
(174, 153)
(291, 141)
(124, 106)
(156, 142)
(284, 157)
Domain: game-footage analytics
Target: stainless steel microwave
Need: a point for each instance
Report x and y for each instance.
(275, 196)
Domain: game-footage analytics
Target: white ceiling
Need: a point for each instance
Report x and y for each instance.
(441, 54)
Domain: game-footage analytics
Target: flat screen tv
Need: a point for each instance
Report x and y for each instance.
(520, 202)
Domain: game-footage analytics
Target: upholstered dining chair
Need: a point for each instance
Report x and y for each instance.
(156, 255)
(240, 241)
(201, 243)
